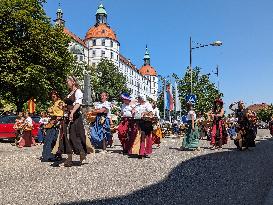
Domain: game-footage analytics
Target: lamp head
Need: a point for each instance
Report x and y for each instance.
(216, 43)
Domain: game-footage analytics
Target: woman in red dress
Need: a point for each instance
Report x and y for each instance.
(218, 138)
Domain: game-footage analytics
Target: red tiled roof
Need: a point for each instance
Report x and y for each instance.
(100, 31)
(257, 107)
(147, 70)
(127, 62)
(74, 37)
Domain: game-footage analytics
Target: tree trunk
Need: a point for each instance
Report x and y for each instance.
(19, 105)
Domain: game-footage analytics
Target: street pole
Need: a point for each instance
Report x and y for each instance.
(218, 78)
(191, 63)
(164, 96)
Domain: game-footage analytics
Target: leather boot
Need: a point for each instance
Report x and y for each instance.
(82, 156)
(68, 161)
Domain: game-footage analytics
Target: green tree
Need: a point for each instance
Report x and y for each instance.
(106, 77)
(265, 114)
(34, 58)
(203, 88)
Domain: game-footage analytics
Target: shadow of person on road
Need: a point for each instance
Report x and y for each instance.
(220, 178)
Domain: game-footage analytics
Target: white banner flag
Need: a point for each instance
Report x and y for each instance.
(177, 101)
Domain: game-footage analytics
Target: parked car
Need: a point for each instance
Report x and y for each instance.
(6, 126)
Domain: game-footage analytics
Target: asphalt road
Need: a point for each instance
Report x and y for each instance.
(170, 176)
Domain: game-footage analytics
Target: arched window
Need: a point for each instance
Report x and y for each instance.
(94, 43)
(111, 44)
(103, 42)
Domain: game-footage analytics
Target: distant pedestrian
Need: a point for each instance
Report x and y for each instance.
(27, 139)
(191, 139)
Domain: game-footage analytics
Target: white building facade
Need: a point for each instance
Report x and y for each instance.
(101, 42)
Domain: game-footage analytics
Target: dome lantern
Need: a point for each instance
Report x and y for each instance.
(101, 15)
(59, 20)
(147, 59)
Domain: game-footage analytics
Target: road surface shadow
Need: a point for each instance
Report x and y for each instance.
(220, 178)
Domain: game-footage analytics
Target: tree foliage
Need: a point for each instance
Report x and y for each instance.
(203, 88)
(34, 58)
(106, 77)
(265, 114)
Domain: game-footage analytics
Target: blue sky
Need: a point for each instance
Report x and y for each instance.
(244, 26)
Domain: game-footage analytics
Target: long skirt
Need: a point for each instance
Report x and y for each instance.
(123, 132)
(49, 142)
(100, 131)
(26, 140)
(218, 137)
(73, 139)
(157, 134)
(141, 140)
(191, 139)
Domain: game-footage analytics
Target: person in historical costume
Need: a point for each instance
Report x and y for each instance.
(157, 132)
(200, 121)
(51, 128)
(126, 123)
(100, 130)
(73, 137)
(191, 138)
(43, 121)
(245, 128)
(27, 139)
(218, 133)
(18, 127)
(141, 135)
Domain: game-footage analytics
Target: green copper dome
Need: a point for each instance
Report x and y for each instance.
(101, 10)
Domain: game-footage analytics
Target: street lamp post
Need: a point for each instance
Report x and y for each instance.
(215, 43)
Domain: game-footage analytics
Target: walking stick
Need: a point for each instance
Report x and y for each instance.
(68, 131)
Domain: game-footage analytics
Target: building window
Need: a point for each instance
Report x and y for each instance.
(103, 54)
(111, 44)
(112, 55)
(94, 53)
(81, 58)
(103, 31)
(103, 42)
(94, 42)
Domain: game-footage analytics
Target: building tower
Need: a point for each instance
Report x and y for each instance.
(59, 20)
(101, 40)
(148, 71)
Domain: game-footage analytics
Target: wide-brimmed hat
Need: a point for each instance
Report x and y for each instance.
(125, 96)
